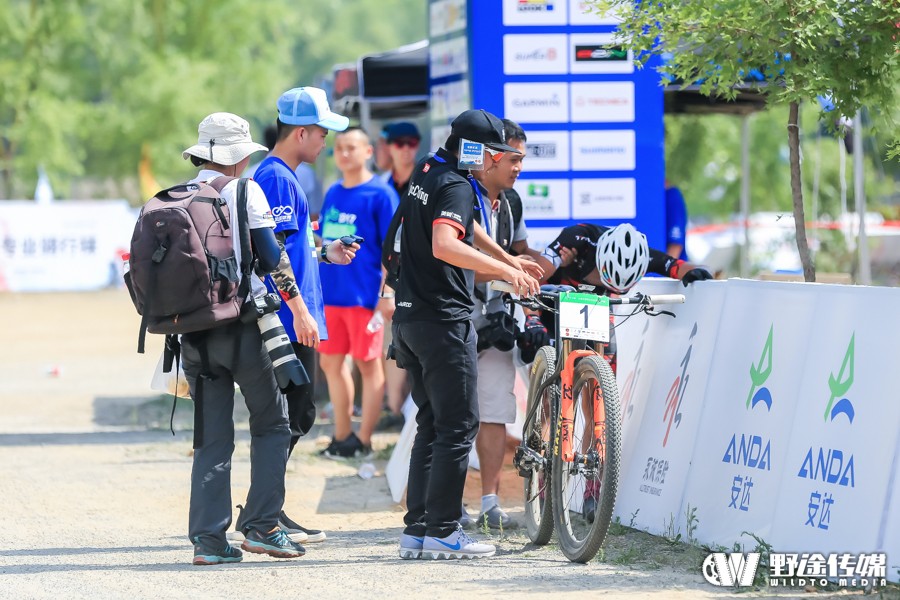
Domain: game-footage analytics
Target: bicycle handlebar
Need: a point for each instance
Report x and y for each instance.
(554, 291)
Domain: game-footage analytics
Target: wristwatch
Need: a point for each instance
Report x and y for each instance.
(324, 254)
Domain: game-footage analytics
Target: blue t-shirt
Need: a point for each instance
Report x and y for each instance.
(364, 210)
(676, 220)
(291, 212)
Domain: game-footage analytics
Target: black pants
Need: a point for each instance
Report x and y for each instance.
(301, 401)
(235, 354)
(442, 363)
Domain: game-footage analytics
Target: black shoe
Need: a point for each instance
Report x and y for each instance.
(295, 531)
(275, 543)
(390, 422)
(495, 518)
(205, 555)
(352, 447)
(589, 508)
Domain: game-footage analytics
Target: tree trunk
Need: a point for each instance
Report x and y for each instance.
(809, 270)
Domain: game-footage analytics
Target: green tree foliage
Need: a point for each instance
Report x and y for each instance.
(86, 84)
(845, 49)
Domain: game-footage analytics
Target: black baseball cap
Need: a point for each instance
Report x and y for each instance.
(483, 127)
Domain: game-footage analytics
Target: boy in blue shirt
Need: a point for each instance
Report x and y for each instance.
(304, 119)
(359, 204)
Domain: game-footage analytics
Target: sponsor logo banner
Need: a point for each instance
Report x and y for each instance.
(447, 16)
(448, 100)
(609, 102)
(547, 151)
(534, 12)
(598, 53)
(604, 198)
(603, 150)
(580, 13)
(449, 57)
(544, 198)
(540, 54)
(536, 102)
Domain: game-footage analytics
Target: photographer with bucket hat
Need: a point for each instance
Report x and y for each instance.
(232, 353)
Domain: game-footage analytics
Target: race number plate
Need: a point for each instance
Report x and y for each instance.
(584, 316)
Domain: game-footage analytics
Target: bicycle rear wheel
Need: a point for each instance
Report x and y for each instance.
(584, 491)
(538, 436)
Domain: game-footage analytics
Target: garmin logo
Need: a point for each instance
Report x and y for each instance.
(416, 191)
(551, 102)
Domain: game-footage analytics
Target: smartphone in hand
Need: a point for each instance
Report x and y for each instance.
(349, 240)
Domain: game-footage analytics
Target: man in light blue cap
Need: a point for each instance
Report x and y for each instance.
(304, 119)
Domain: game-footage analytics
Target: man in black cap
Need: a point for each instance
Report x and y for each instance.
(434, 339)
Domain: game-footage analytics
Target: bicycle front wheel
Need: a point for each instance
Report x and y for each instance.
(584, 491)
(538, 436)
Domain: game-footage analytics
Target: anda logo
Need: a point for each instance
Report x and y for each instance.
(759, 374)
(826, 464)
(747, 449)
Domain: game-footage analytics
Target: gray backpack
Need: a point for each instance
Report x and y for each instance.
(183, 274)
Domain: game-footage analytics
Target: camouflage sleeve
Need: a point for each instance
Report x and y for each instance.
(283, 275)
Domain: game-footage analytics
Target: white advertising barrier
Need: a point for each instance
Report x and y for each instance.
(655, 470)
(638, 340)
(748, 411)
(68, 245)
(837, 472)
(888, 539)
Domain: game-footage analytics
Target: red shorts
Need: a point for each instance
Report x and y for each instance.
(347, 333)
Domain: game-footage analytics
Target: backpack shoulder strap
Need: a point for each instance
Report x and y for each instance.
(244, 236)
(515, 205)
(220, 182)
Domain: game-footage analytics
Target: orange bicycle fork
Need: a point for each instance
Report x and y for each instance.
(567, 406)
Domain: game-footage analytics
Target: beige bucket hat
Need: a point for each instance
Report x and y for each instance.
(224, 139)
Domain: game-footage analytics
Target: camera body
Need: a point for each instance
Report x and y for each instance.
(255, 308)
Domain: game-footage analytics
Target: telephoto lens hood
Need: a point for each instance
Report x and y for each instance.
(289, 371)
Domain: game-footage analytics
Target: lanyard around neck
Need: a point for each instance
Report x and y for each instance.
(485, 218)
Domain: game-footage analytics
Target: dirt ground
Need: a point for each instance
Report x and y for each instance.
(94, 492)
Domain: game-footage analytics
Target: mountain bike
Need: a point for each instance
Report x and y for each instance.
(572, 437)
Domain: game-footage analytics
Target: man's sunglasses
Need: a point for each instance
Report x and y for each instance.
(496, 155)
(401, 142)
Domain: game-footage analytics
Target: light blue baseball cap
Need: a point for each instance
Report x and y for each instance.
(309, 106)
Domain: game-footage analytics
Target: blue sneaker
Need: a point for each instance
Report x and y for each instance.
(275, 543)
(456, 545)
(411, 546)
(204, 555)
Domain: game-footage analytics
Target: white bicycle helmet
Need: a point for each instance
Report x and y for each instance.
(622, 257)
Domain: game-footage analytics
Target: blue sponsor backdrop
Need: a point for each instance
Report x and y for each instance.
(595, 125)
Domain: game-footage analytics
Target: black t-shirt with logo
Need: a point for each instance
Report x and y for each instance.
(583, 239)
(431, 289)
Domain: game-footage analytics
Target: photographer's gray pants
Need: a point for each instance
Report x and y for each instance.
(243, 361)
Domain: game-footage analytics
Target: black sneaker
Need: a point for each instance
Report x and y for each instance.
(296, 531)
(352, 447)
(390, 421)
(495, 518)
(275, 543)
(204, 555)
